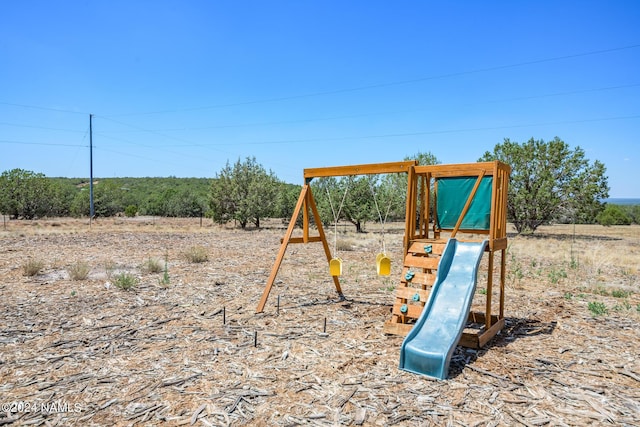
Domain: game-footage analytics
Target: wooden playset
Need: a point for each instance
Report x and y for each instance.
(465, 201)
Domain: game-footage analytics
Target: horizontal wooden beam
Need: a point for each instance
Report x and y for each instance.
(407, 292)
(413, 310)
(426, 279)
(421, 262)
(301, 239)
(401, 329)
(462, 169)
(366, 169)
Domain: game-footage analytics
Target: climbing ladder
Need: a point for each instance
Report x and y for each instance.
(418, 275)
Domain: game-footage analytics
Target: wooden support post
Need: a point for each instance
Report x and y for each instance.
(489, 293)
(305, 216)
(423, 220)
(425, 198)
(410, 213)
(502, 277)
(283, 249)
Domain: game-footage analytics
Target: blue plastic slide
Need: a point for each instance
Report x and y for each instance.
(428, 348)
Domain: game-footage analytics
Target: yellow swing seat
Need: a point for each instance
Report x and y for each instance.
(335, 267)
(383, 264)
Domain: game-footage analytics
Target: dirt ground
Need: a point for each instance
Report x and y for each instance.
(187, 348)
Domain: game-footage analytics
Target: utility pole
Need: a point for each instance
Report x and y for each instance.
(91, 210)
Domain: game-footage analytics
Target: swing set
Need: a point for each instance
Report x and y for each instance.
(306, 203)
(443, 202)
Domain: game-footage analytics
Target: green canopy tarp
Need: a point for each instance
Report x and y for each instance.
(452, 196)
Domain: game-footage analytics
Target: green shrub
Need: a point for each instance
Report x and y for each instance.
(130, 211)
(634, 213)
(613, 215)
(125, 281)
(624, 306)
(574, 264)
(164, 280)
(556, 275)
(597, 308)
(620, 293)
(32, 267)
(515, 272)
(79, 270)
(601, 290)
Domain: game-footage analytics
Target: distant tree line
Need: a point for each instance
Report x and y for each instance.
(549, 183)
(243, 192)
(28, 195)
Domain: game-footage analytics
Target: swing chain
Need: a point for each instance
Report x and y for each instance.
(336, 217)
(382, 222)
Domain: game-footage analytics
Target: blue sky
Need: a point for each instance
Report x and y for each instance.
(178, 88)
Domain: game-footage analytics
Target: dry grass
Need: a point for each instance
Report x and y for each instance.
(32, 267)
(152, 265)
(591, 260)
(196, 254)
(79, 270)
(162, 355)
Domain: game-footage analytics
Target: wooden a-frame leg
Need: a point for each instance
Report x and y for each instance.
(283, 249)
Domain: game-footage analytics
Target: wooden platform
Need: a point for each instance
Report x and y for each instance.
(474, 335)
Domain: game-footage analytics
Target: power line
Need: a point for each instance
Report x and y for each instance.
(345, 90)
(36, 107)
(387, 84)
(154, 147)
(166, 136)
(159, 134)
(4, 141)
(434, 132)
(75, 153)
(151, 147)
(393, 112)
(148, 159)
(39, 127)
(307, 120)
(290, 141)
